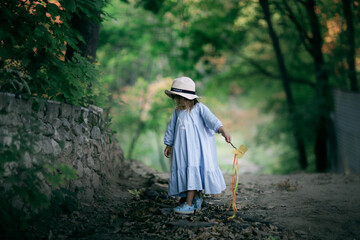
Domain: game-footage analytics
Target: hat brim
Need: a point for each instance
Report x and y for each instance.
(185, 95)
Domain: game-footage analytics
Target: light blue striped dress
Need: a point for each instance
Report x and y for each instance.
(194, 158)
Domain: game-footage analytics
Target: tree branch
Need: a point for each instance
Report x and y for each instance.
(305, 38)
(269, 74)
(260, 68)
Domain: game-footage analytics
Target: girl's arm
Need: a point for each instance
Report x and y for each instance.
(212, 122)
(167, 151)
(225, 134)
(170, 131)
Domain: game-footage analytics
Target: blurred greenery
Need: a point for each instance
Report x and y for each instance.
(225, 47)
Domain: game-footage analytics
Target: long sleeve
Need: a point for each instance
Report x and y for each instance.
(169, 134)
(210, 120)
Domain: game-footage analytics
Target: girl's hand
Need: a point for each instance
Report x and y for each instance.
(225, 134)
(167, 151)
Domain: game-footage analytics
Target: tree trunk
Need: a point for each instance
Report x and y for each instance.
(89, 30)
(322, 88)
(351, 44)
(135, 138)
(286, 85)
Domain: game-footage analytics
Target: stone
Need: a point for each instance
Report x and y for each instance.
(84, 129)
(76, 113)
(56, 147)
(40, 114)
(4, 102)
(46, 146)
(77, 129)
(93, 118)
(96, 147)
(96, 109)
(68, 146)
(87, 171)
(102, 140)
(5, 141)
(66, 124)
(79, 151)
(106, 147)
(84, 114)
(79, 140)
(102, 157)
(66, 110)
(106, 139)
(90, 162)
(27, 160)
(52, 111)
(9, 168)
(57, 136)
(36, 147)
(97, 166)
(23, 106)
(48, 130)
(95, 180)
(64, 135)
(86, 150)
(95, 133)
(56, 123)
(12, 105)
(40, 108)
(19, 106)
(77, 183)
(30, 122)
(12, 120)
(86, 139)
(4, 131)
(80, 169)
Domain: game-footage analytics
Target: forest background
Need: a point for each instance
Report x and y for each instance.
(267, 69)
(273, 92)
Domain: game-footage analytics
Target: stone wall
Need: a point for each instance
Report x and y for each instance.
(71, 134)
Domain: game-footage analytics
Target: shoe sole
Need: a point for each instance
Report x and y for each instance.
(180, 212)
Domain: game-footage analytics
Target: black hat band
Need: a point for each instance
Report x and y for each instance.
(182, 91)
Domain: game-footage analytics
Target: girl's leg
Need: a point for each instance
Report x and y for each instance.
(197, 194)
(190, 196)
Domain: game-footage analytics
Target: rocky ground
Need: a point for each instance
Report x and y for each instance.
(135, 206)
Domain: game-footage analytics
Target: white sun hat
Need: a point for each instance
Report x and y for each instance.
(184, 87)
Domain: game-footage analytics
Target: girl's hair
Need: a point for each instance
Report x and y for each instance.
(184, 103)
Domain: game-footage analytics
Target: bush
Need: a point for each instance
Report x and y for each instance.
(34, 38)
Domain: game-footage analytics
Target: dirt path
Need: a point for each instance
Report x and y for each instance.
(314, 206)
(304, 206)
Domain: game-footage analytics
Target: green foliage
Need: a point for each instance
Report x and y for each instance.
(225, 47)
(25, 178)
(33, 41)
(133, 44)
(136, 193)
(145, 110)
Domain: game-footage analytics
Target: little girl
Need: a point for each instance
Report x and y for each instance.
(190, 140)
